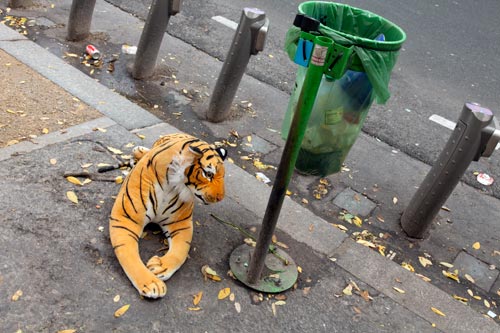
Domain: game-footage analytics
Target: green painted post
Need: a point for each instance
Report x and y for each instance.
(305, 104)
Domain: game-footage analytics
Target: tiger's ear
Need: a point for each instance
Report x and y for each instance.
(222, 152)
(195, 150)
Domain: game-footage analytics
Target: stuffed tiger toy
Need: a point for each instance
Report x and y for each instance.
(161, 188)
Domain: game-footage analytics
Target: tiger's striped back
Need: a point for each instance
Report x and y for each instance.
(161, 188)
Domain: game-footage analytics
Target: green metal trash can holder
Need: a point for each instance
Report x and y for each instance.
(342, 102)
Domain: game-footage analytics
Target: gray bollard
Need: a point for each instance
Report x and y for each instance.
(471, 139)
(248, 40)
(152, 36)
(20, 3)
(80, 18)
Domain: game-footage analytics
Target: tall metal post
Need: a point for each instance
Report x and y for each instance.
(471, 139)
(251, 274)
(20, 3)
(80, 18)
(248, 40)
(152, 36)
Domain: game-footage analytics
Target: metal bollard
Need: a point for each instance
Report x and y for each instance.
(152, 36)
(248, 40)
(472, 138)
(80, 18)
(20, 3)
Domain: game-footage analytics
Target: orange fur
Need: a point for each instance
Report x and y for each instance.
(161, 188)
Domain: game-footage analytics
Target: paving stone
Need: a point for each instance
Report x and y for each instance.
(258, 145)
(496, 287)
(354, 202)
(483, 276)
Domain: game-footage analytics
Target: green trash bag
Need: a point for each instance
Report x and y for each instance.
(341, 106)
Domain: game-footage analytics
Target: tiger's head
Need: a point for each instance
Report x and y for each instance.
(205, 176)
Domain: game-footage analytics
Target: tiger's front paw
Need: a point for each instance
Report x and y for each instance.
(152, 288)
(159, 269)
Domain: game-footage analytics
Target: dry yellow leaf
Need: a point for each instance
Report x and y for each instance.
(197, 298)
(223, 293)
(280, 303)
(209, 273)
(366, 243)
(17, 295)
(487, 304)
(45, 131)
(72, 197)
(299, 269)
(450, 275)
(471, 294)
(116, 298)
(446, 264)
(237, 306)
(121, 311)
(476, 246)
(115, 151)
(53, 161)
(357, 221)
(119, 179)
(86, 181)
(461, 299)
(424, 261)
(194, 309)
(408, 267)
(232, 297)
(470, 278)
(399, 290)
(67, 331)
(347, 290)
(86, 165)
(436, 311)
(74, 180)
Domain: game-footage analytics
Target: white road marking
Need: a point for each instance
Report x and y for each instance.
(227, 22)
(448, 124)
(443, 121)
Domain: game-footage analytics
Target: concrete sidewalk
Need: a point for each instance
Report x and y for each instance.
(58, 255)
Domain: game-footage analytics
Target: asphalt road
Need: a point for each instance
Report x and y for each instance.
(449, 58)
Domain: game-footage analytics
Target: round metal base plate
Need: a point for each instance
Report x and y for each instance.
(279, 273)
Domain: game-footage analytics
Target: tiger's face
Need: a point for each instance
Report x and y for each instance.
(205, 177)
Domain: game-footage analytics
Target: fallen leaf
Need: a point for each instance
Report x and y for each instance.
(67, 331)
(119, 179)
(72, 197)
(194, 308)
(305, 201)
(209, 273)
(445, 264)
(223, 293)
(366, 243)
(74, 180)
(487, 304)
(45, 131)
(237, 306)
(142, 137)
(357, 221)
(115, 151)
(395, 200)
(116, 299)
(476, 246)
(53, 161)
(401, 291)
(347, 290)
(17, 295)
(356, 309)
(471, 294)
(380, 218)
(232, 297)
(408, 267)
(197, 298)
(299, 269)
(86, 165)
(461, 299)
(436, 311)
(340, 226)
(470, 278)
(424, 261)
(450, 275)
(365, 295)
(423, 277)
(280, 303)
(121, 311)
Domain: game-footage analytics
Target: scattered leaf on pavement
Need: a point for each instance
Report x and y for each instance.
(119, 179)
(436, 311)
(116, 299)
(408, 267)
(399, 290)
(476, 246)
(395, 200)
(209, 273)
(17, 295)
(72, 197)
(450, 275)
(446, 264)
(121, 311)
(237, 306)
(74, 180)
(197, 298)
(67, 331)
(194, 308)
(223, 293)
(348, 290)
(53, 161)
(470, 278)
(424, 261)
(115, 151)
(461, 299)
